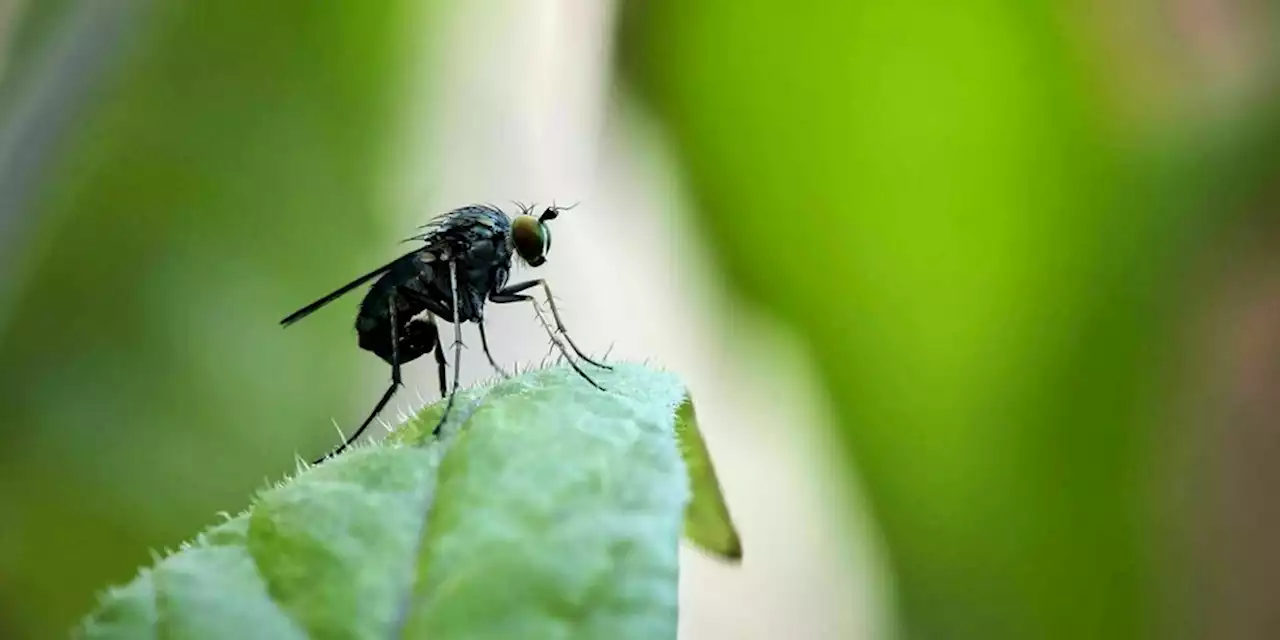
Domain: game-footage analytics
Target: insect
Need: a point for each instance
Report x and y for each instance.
(464, 261)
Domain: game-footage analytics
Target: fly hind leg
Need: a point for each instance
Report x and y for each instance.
(396, 344)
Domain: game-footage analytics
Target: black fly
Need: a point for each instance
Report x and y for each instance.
(464, 261)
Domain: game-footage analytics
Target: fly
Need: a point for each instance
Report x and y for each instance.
(464, 262)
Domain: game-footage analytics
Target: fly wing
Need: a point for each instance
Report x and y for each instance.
(307, 310)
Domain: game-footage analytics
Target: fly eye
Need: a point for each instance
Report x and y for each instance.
(531, 239)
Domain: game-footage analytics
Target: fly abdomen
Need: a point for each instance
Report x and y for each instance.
(414, 338)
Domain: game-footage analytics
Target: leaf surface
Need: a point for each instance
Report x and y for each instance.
(546, 509)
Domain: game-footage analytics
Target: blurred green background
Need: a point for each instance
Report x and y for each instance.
(1028, 247)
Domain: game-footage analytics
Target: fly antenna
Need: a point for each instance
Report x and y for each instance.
(553, 211)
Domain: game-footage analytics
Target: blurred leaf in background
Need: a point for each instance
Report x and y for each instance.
(986, 266)
(223, 163)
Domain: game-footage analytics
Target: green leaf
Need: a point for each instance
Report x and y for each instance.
(932, 197)
(706, 522)
(547, 508)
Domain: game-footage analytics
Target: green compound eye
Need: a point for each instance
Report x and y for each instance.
(531, 238)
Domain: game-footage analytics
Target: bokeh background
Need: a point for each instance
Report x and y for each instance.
(979, 301)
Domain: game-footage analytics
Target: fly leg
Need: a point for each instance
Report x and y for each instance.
(391, 390)
(513, 294)
(509, 294)
(457, 348)
(424, 336)
(484, 343)
(440, 368)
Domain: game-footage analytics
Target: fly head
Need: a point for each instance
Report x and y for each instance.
(531, 236)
